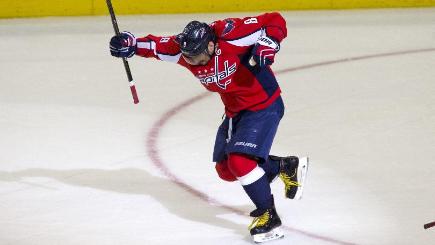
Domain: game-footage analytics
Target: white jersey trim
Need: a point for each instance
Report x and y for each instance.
(152, 46)
(170, 58)
(252, 176)
(147, 45)
(248, 40)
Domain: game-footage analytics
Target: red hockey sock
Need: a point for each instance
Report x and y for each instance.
(240, 164)
(244, 168)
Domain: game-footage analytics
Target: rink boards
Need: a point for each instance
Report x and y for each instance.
(38, 8)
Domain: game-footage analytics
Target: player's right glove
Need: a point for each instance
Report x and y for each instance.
(123, 45)
(264, 51)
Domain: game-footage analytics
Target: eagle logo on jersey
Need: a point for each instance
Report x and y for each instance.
(229, 26)
(219, 76)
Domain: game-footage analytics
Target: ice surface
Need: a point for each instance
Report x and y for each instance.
(79, 162)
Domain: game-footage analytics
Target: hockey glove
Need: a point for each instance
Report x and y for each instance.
(123, 45)
(264, 51)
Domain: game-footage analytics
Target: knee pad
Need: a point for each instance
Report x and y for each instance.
(224, 172)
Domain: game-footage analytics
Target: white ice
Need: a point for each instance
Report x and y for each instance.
(77, 159)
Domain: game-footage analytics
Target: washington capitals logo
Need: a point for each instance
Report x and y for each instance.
(219, 76)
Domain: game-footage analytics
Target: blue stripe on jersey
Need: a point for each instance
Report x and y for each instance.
(264, 76)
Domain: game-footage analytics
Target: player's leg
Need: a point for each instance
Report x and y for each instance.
(254, 181)
(291, 170)
(254, 133)
(219, 153)
(271, 167)
(250, 143)
(252, 178)
(240, 166)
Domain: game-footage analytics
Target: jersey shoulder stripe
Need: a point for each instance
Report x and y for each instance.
(246, 40)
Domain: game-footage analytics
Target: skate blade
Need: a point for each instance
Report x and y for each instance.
(302, 174)
(268, 236)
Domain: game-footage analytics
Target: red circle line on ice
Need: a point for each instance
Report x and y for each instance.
(153, 135)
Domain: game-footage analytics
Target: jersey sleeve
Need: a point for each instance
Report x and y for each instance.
(246, 31)
(161, 48)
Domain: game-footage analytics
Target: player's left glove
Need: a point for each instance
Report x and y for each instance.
(264, 51)
(123, 45)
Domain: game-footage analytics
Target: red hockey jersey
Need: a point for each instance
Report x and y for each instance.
(241, 86)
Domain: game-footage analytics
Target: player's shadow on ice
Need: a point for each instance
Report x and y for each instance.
(138, 181)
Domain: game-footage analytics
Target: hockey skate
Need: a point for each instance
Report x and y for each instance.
(293, 172)
(265, 226)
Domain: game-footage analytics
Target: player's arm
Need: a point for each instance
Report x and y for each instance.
(162, 48)
(246, 31)
(265, 32)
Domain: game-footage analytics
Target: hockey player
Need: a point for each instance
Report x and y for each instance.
(232, 57)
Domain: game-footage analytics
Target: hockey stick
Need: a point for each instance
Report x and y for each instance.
(124, 60)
